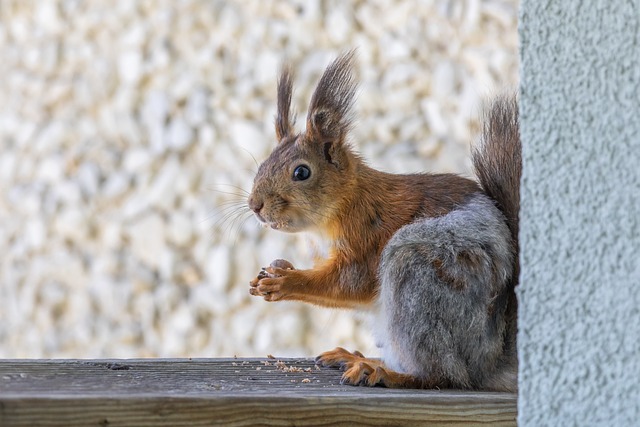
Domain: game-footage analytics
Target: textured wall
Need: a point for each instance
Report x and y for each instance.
(127, 136)
(579, 337)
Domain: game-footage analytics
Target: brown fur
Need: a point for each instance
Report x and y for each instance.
(376, 203)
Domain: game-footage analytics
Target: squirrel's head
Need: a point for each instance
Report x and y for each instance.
(303, 182)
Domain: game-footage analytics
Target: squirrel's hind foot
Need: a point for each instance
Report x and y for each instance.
(359, 370)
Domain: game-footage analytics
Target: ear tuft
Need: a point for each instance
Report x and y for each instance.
(330, 111)
(285, 119)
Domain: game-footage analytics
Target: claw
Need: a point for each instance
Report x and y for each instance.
(358, 373)
(345, 380)
(338, 357)
(358, 370)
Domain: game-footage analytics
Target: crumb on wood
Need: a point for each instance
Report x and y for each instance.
(270, 356)
(306, 380)
(281, 366)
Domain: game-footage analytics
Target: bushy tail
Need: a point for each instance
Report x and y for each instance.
(497, 160)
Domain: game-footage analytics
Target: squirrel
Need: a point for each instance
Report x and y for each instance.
(434, 257)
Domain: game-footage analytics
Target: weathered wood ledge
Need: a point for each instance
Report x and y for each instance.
(230, 392)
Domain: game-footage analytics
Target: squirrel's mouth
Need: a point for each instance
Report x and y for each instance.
(285, 223)
(285, 226)
(269, 224)
(282, 226)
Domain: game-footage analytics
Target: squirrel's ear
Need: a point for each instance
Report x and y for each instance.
(285, 119)
(330, 111)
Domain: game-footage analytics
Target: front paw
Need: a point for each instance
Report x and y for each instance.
(272, 282)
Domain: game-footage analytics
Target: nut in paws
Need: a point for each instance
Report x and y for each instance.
(270, 280)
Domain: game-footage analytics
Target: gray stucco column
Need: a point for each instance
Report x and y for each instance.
(579, 337)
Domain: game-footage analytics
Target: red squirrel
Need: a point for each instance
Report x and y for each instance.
(434, 257)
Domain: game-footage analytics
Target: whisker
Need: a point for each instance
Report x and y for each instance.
(236, 195)
(229, 193)
(224, 206)
(232, 202)
(239, 226)
(252, 171)
(234, 227)
(223, 216)
(242, 190)
(228, 213)
(254, 159)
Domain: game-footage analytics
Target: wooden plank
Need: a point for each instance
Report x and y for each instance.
(230, 392)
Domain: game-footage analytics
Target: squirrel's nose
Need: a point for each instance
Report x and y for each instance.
(255, 205)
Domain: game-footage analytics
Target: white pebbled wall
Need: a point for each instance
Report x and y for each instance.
(579, 339)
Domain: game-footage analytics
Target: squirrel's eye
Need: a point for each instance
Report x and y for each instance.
(301, 173)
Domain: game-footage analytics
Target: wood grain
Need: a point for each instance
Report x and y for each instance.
(230, 392)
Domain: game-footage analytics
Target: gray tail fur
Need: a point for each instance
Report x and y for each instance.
(497, 161)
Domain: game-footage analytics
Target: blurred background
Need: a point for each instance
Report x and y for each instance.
(128, 133)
